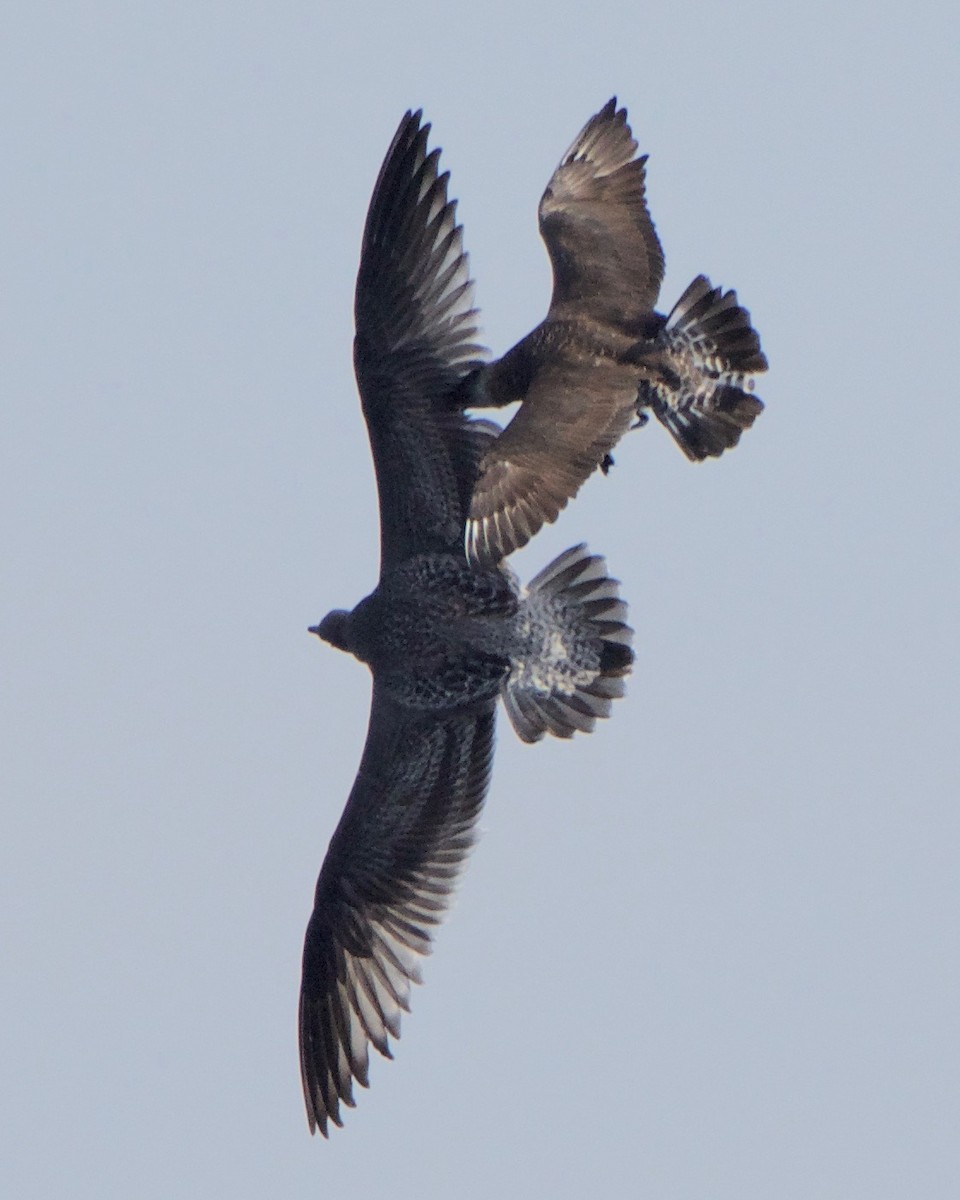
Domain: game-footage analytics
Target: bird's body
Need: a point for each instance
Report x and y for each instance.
(577, 345)
(603, 356)
(444, 639)
(435, 633)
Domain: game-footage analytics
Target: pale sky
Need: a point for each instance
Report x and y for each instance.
(709, 952)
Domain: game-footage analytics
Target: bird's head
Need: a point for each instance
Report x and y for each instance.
(335, 629)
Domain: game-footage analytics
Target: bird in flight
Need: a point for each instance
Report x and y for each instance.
(603, 357)
(444, 639)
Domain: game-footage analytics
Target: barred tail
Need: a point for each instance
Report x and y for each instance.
(710, 351)
(716, 330)
(577, 649)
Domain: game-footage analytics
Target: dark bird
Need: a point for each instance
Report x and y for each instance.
(603, 356)
(443, 639)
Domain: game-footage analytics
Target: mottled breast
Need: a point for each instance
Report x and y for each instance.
(438, 634)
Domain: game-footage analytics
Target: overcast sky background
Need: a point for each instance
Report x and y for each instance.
(710, 951)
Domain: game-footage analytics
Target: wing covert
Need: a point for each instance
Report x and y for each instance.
(572, 416)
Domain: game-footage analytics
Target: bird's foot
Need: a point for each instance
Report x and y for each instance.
(642, 419)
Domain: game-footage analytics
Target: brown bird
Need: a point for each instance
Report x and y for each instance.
(603, 356)
(443, 639)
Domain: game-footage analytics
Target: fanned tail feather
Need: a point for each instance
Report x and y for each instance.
(710, 351)
(709, 422)
(578, 649)
(716, 330)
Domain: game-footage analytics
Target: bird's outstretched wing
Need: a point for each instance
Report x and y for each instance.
(416, 331)
(387, 880)
(606, 256)
(572, 416)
